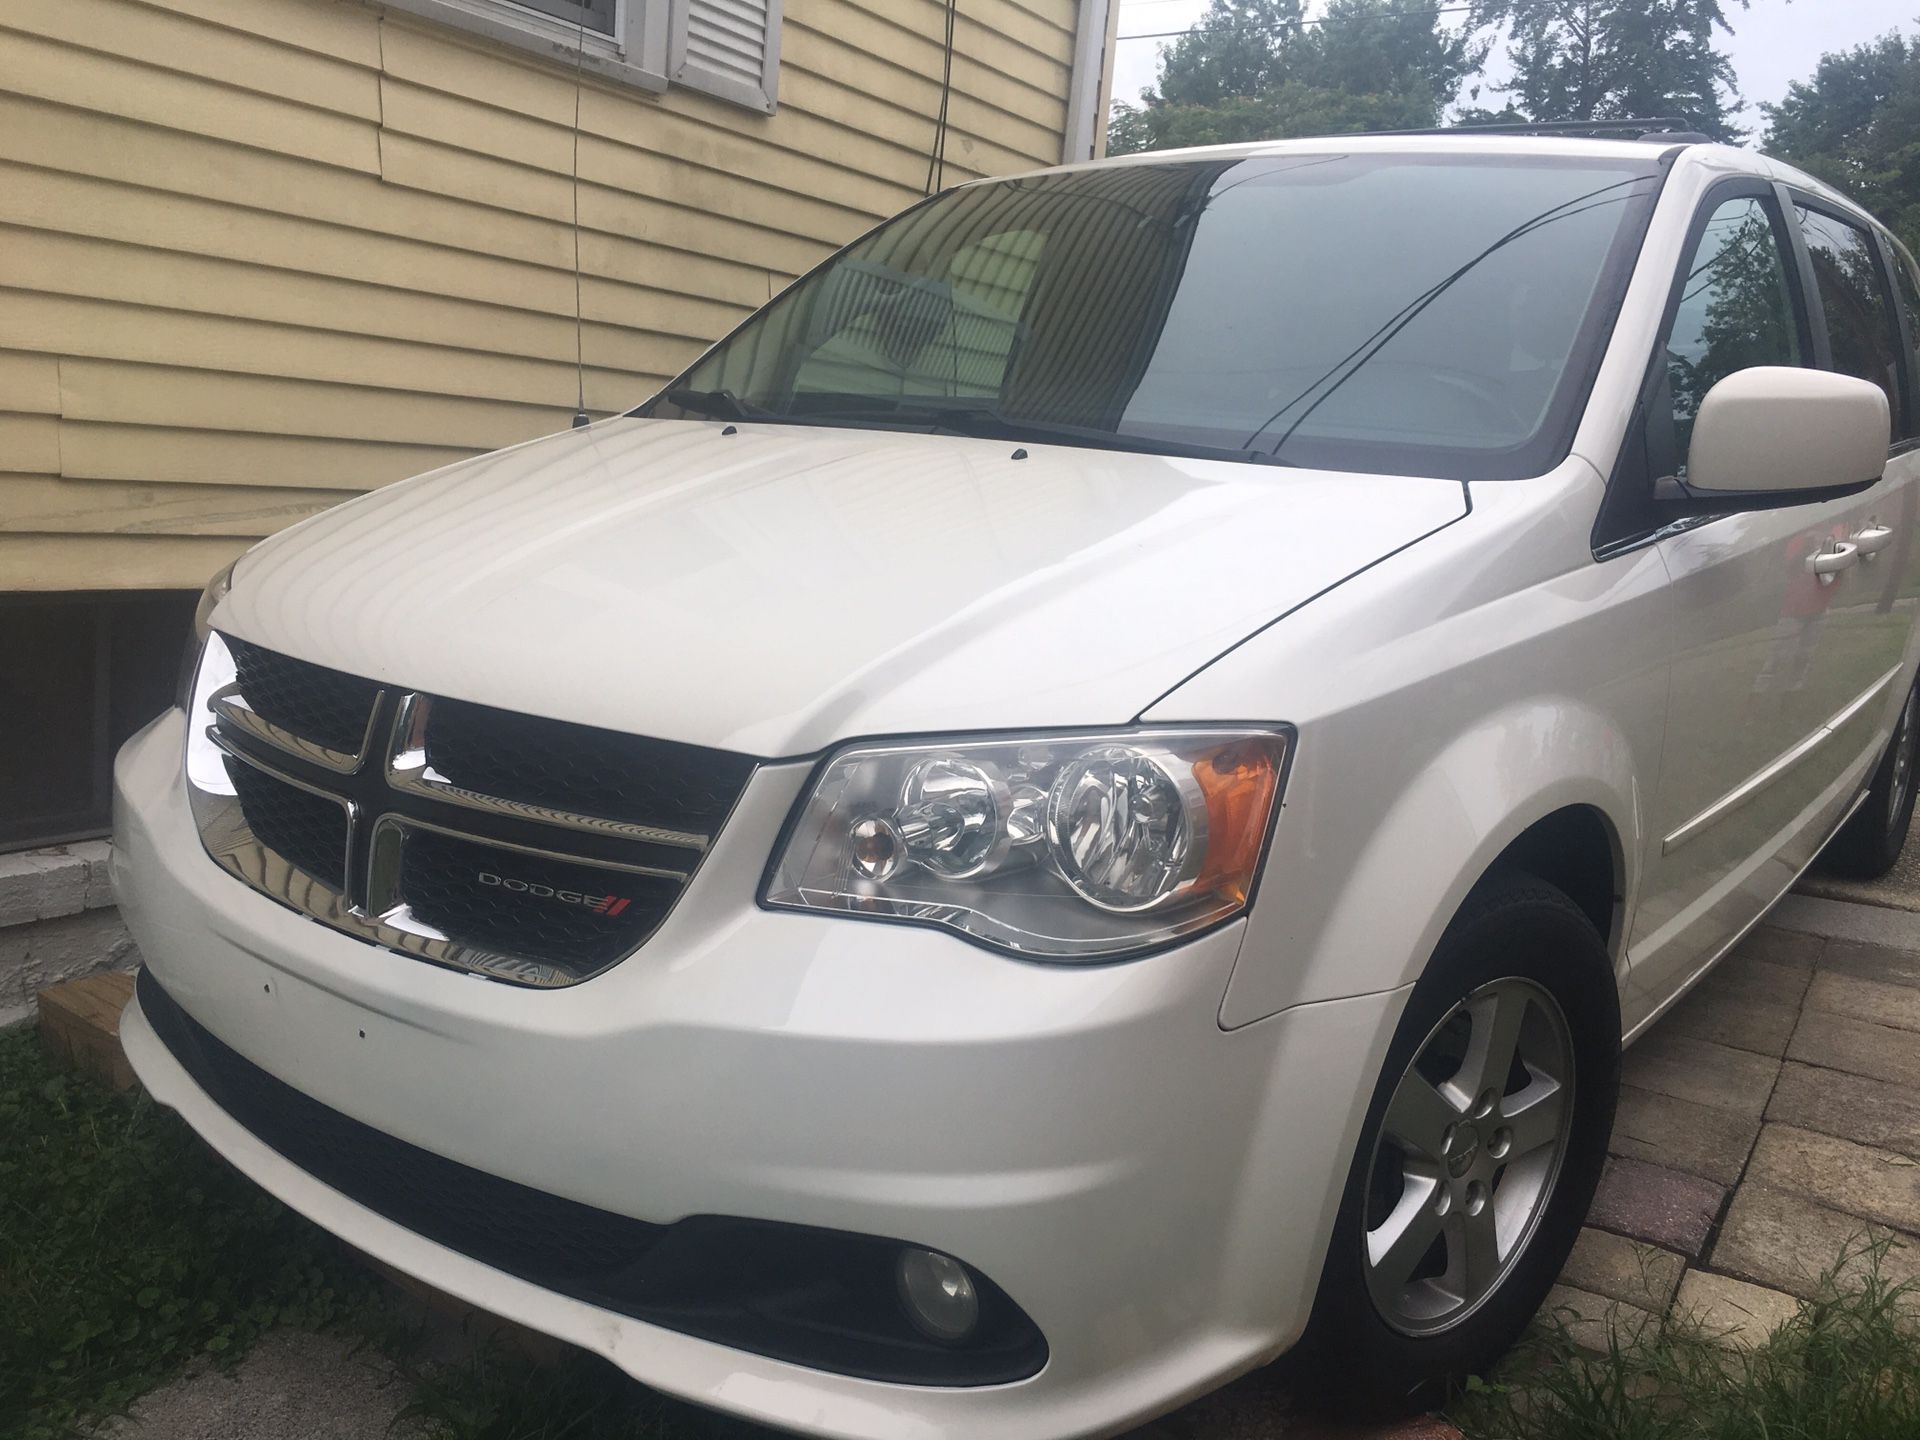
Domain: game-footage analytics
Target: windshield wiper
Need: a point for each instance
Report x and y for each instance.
(985, 422)
(715, 404)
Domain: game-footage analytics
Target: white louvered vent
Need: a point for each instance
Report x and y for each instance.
(728, 48)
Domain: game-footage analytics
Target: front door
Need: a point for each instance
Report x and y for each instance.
(1870, 604)
(1780, 667)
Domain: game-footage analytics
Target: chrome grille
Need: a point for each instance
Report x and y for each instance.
(326, 707)
(525, 849)
(581, 769)
(529, 904)
(306, 830)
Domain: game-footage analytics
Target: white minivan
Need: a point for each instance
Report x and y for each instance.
(1088, 797)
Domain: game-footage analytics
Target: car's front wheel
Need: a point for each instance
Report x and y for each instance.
(1481, 1150)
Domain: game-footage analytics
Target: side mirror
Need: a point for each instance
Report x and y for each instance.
(1779, 435)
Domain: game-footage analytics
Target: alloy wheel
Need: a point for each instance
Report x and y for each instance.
(1469, 1151)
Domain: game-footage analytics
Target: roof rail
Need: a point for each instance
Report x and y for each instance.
(1663, 128)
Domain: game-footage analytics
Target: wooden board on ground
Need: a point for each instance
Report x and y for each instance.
(80, 1024)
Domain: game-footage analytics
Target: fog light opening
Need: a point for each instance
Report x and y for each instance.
(937, 1294)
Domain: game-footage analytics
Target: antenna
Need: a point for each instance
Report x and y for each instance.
(580, 416)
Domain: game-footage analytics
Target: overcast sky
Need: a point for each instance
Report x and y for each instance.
(1774, 42)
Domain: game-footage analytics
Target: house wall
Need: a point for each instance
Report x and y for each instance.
(259, 255)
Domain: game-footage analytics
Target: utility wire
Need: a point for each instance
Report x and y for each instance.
(580, 416)
(937, 157)
(1295, 24)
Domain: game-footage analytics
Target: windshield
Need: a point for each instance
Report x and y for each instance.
(1407, 314)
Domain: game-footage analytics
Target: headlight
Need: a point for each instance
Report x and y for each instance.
(216, 590)
(1063, 847)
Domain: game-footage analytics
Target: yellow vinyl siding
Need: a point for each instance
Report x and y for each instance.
(259, 255)
(40, 504)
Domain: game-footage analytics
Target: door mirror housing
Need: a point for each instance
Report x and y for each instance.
(1777, 435)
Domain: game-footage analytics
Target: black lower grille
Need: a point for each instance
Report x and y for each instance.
(507, 1225)
(326, 706)
(308, 832)
(579, 917)
(820, 1298)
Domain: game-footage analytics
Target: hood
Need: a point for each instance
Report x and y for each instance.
(778, 588)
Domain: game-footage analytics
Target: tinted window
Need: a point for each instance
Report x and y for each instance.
(1906, 286)
(1413, 314)
(1736, 310)
(1853, 292)
(953, 334)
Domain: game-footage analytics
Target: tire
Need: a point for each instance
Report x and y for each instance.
(1386, 1348)
(1869, 844)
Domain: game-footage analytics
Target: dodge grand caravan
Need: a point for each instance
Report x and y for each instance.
(1090, 796)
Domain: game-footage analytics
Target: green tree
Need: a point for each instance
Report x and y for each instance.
(1253, 70)
(1617, 59)
(1856, 125)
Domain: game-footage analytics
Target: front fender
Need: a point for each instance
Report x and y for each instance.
(1444, 701)
(1369, 864)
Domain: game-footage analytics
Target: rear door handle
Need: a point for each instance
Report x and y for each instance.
(1873, 539)
(1829, 563)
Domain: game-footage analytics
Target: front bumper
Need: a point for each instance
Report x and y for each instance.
(1153, 1192)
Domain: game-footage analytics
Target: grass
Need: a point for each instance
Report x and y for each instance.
(126, 1251)
(1845, 1367)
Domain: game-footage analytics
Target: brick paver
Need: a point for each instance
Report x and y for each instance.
(1881, 1002)
(1788, 1242)
(1616, 1268)
(1683, 1135)
(1722, 1076)
(1733, 1311)
(1850, 1106)
(1663, 1207)
(1744, 1022)
(1870, 962)
(1768, 1132)
(1860, 1047)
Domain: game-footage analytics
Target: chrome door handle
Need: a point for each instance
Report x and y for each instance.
(1873, 539)
(1828, 564)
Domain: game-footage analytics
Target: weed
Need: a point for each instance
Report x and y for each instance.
(1846, 1366)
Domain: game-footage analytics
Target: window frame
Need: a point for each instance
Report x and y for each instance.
(562, 10)
(1630, 514)
(1832, 209)
(647, 47)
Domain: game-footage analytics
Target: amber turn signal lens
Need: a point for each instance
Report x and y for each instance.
(1238, 782)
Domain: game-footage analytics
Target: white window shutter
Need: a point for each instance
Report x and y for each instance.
(728, 48)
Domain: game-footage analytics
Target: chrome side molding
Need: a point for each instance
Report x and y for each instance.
(1751, 787)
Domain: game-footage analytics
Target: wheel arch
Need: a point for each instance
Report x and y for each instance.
(1576, 849)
